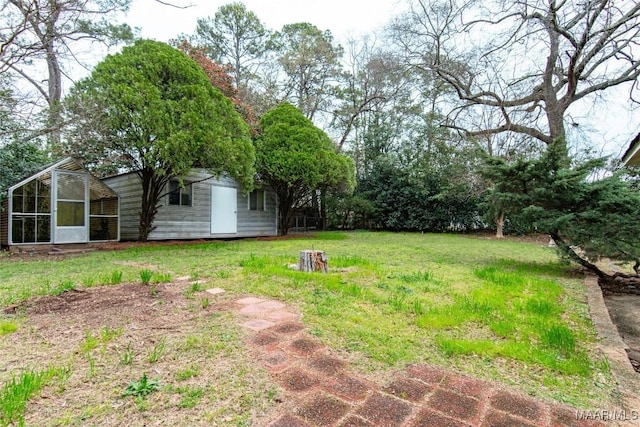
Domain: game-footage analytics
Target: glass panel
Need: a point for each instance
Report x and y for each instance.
(104, 207)
(30, 203)
(44, 204)
(17, 228)
(185, 196)
(174, 195)
(110, 206)
(44, 190)
(103, 228)
(29, 230)
(70, 214)
(260, 195)
(44, 197)
(256, 200)
(44, 228)
(17, 203)
(71, 186)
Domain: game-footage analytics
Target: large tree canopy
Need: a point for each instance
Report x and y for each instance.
(587, 218)
(152, 110)
(295, 157)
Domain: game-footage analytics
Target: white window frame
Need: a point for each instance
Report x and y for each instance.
(181, 189)
(264, 200)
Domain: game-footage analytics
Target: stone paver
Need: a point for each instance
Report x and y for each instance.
(323, 392)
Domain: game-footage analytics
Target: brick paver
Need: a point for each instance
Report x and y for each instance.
(323, 391)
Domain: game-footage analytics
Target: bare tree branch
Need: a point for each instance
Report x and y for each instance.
(518, 58)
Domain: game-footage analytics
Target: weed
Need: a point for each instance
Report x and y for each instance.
(417, 307)
(63, 287)
(90, 342)
(189, 372)
(349, 261)
(204, 302)
(107, 333)
(127, 355)
(196, 287)
(18, 390)
(190, 396)
(405, 290)
(540, 307)
(162, 278)
(397, 302)
(423, 276)
(223, 274)
(560, 338)
(116, 277)
(7, 327)
(92, 365)
(157, 351)
(145, 276)
(153, 290)
(191, 342)
(89, 281)
(142, 388)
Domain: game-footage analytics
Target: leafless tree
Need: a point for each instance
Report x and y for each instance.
(373, 78)
(521, 65)
(45, 34)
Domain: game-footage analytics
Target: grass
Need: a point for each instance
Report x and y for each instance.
(7, 327)
(19, 389)
(499, 310)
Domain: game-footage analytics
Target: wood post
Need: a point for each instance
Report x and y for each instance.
(312, 261)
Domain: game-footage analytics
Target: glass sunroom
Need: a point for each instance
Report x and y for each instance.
(63, 203)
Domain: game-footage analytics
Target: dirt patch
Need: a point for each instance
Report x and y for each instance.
(106, 337)
(623, 310)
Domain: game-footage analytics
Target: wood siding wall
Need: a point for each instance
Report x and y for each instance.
(190, 222)
(4, 223)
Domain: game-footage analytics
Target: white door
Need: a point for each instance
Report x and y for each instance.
(224, 210)
(70, 207)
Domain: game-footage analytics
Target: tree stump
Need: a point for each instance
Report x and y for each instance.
(312, 261)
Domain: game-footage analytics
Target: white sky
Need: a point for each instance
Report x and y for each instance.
(343, 18)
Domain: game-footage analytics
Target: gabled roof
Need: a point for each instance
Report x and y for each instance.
(631, 157)
(98, 188)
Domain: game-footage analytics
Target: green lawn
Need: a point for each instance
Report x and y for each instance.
(499, 310)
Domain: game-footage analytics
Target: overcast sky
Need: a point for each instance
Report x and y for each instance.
(343, 17)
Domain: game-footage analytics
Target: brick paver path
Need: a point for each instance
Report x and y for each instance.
(327, 393)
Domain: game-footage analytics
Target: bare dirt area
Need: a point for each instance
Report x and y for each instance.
(623, 310)
(107, 337)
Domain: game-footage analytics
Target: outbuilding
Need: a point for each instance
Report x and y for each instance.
(200, 206)
(631, 157)
(63, 203)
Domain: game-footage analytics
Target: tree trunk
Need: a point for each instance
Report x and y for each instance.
(285, 217)
(312, 261)
(152, 185)
(500, 225)
(614, 283)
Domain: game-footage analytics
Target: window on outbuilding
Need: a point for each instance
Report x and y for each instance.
(180, 196)
(31, 206)
(257, 200)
